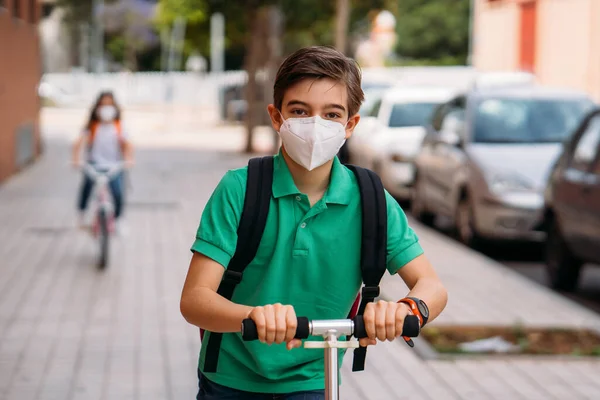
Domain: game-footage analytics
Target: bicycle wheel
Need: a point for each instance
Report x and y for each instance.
(103, 236)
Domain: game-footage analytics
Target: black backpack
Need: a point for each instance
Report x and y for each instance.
(252, 225)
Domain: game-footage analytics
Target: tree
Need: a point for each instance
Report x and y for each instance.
(436, 31)
(77, 12)
(196, 14)
(129, 23)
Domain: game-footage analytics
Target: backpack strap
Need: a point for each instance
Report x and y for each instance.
(94, 129)
(250, 230)
(373, 246)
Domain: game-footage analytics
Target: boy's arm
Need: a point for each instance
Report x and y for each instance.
(384, 320)
(202, 306)
(424, 283)
(214, 247)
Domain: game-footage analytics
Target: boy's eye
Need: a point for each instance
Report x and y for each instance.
(333, 115)
(298, 112)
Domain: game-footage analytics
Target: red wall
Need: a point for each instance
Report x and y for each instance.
(20, 72)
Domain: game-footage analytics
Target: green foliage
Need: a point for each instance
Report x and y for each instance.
(433, 29)
(194, 11)
(432, 32)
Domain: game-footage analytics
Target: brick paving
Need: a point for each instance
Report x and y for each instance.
(69, 331)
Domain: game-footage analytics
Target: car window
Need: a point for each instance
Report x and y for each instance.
(517, 120)
(375, 110)
(587, 146)
(454, 120)
(410, 114)
(372, 96)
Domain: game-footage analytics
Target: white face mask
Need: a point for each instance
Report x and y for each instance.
(313, 141)
(107, 113)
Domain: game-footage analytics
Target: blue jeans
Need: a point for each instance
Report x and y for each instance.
(116, 189)
(211, 391)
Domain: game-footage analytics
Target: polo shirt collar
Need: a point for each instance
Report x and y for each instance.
(338, 192)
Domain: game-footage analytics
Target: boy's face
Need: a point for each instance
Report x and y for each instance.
(311, 97)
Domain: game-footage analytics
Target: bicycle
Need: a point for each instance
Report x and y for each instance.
(331, 330)
(103, 224)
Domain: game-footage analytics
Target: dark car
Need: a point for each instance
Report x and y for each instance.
(572, 203)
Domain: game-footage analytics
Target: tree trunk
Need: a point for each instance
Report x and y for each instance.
(341, 28)
(130, 55)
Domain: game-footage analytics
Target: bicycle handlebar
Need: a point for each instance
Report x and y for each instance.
(343, 327)
(93, 173)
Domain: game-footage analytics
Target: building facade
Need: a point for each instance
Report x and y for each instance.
(20, 72)
(558, 40)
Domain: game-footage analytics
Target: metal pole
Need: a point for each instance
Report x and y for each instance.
(217, 42)
(180, 41)
(164, 40)
(471, 30)
(331, 369)
(177, 40)
(98, 6)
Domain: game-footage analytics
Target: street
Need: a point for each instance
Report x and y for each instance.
(70, 331)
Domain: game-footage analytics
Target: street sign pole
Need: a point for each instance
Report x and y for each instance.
(217, 43)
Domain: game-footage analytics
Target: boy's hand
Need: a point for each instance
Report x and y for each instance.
(276, 324)
(384, 321)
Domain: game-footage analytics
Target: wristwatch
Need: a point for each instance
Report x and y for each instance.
(418, 308)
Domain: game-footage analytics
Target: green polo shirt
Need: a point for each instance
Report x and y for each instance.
(309, 257)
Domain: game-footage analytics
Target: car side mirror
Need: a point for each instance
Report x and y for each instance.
(449, 137)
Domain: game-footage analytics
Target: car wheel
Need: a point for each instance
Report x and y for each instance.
(562, 265)
(417, 205)
(464, 223)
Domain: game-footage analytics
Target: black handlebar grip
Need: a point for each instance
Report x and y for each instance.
(250, 332)
(303, 328)
(410, 328)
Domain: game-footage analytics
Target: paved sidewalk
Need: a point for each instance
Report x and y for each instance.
(68, 331)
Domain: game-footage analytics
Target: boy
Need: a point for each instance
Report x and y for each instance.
(308, 261)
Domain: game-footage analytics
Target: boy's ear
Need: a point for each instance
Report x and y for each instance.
(276, 119)
(352, 122)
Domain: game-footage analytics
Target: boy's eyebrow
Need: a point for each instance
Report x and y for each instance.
(338, 106)
(301, 103)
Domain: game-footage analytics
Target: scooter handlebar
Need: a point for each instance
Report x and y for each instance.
(305, 328)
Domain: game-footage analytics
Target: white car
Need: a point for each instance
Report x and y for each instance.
(388, 138)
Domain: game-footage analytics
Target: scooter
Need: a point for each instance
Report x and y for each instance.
(331, 331)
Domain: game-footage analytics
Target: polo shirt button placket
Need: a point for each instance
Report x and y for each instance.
(303, 225)
(298, 198)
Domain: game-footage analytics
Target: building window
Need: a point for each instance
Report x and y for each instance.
(33, 11)
(16, 8)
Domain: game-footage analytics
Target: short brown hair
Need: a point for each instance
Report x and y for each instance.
(320, 62)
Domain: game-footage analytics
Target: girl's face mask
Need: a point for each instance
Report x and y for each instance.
(107, 113)
(312, 141)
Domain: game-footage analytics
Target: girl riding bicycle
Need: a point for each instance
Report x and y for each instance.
(106, 144)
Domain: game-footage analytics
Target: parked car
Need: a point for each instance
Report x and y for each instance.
(572, 204)
(390, 135)
(372, 91)
(486, 158)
